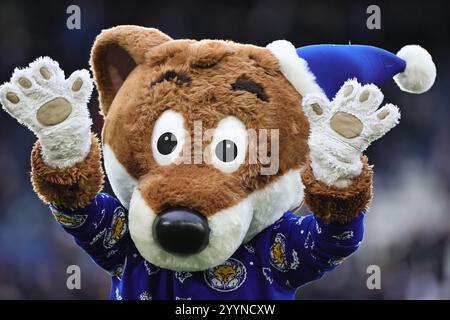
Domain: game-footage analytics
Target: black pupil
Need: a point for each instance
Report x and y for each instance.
(226, 150)
(167, 143)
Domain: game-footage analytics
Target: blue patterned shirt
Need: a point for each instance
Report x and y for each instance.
(288, 254)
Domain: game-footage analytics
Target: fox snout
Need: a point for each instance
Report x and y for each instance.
(183, 198)
(188, 217)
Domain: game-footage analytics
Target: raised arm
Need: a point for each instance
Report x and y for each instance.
(66, 159)
(66, 164)
(337, 180)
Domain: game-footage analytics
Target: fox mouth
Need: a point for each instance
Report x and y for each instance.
(226, 232)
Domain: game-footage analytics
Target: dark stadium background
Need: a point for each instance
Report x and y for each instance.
(408, 228)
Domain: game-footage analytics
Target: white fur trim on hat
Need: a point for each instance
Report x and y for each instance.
(420, 71)
(294, 68)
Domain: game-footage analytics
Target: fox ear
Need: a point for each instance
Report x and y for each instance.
(115, 53)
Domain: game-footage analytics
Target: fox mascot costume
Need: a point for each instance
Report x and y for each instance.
(219, 225)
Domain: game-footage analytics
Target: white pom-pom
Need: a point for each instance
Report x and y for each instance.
(420, 71)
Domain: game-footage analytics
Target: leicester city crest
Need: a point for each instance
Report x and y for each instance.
(117, 230)
(70, 221)
(226, 277)
(278, 253)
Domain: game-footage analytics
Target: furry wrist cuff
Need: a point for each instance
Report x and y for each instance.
(334, 205)
(72, 187)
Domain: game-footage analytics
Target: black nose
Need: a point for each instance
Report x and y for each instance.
(181, 231)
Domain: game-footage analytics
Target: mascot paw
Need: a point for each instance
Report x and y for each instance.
(40, 97)
(53, 107)
(343, 128)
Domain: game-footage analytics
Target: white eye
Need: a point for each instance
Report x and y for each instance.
(229, 145)
(168, 137)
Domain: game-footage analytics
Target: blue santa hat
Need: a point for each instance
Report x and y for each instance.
(325, 68)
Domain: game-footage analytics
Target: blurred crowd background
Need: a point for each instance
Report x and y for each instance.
(408, 228)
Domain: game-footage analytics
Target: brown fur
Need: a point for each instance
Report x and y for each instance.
(111, 70)
(334, 205)
(213, 66)
(73, 187)
(199, 187)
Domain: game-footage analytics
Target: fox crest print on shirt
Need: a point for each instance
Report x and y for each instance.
(210, 146)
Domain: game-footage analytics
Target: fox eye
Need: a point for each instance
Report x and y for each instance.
(168, 137)
(229, 145)
(226, 150)
(167, 142)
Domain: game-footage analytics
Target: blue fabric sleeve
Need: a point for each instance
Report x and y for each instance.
(304, 247)
(101, 229)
